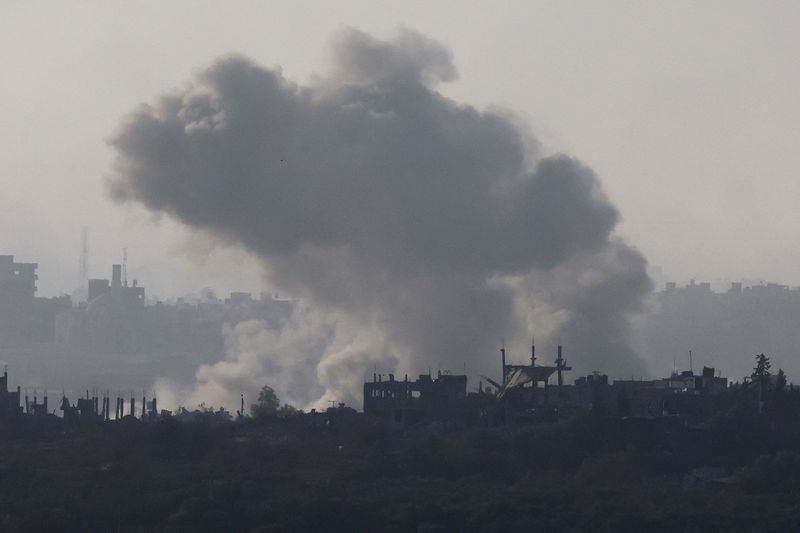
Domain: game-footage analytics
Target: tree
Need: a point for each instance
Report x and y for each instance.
(780, 382)
(761, 376)
(287, 411)
(762, 367)
(267, 404)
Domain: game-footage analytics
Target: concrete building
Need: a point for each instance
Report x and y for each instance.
(17, 279)
(411, 401)
(112, 320)
(9, 400)
(17, 297)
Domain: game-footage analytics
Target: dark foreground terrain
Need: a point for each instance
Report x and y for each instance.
(347, 473)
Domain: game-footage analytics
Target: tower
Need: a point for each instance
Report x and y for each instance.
(124, 267)
(83, 260)
(561, 366)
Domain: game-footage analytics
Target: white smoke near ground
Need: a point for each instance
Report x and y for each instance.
(421, 231)
(305, 360)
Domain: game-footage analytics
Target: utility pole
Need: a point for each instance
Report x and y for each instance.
(503, 357)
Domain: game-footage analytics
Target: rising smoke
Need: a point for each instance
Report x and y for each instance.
(421, 231)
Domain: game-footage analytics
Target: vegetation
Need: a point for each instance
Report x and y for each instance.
(342, 472)
(267, 404)
(736, 469)
(762, 367)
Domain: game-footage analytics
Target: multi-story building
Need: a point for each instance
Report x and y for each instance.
(410, 401)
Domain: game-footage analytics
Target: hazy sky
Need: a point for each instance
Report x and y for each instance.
(688, 112)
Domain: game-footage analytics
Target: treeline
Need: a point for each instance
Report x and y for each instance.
(312, 473)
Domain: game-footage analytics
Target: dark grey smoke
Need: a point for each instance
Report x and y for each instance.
(427, 228)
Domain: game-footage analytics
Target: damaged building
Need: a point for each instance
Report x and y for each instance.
(526, 388)
(533, 392)
(9, 400)
(405, 401)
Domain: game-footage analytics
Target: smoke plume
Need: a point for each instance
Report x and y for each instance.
(421, 230)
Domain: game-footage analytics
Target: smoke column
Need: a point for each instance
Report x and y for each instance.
(419, 231)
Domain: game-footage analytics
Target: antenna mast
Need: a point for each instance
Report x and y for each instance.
(83, 259)
(124, 267)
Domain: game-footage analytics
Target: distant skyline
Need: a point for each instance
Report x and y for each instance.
(687, 112)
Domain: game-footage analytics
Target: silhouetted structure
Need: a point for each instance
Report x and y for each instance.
(9, 400)
(410, 401)
(17, 297)
(35, 408)
(526, 394)
(526, 385)
(116, 320)
(112, 320)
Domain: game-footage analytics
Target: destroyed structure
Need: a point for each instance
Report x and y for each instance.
(87, 411)
(411, 401)
(9, 400)
(530, 393)
(90, 410)
(525, 386)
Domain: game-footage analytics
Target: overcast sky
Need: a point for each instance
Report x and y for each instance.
(687, 111)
